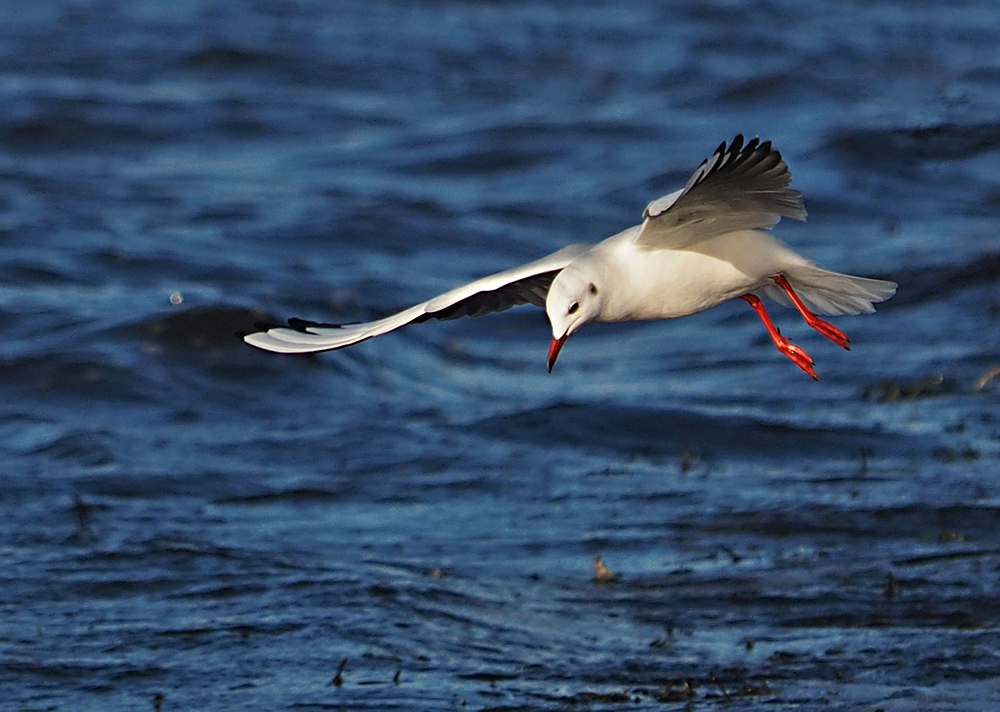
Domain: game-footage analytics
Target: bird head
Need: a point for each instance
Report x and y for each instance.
(574, 299)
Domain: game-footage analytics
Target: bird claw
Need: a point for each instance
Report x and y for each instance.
(830, 331)
(798, 355)
(785, 346)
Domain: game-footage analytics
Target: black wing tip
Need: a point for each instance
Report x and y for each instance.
(262, 326)
(302, 325)
(753, 158)
(740, 148)
(305, 324)
(746, 154)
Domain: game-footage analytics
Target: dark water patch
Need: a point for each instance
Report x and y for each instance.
(224, 214)
(936, 282)
(947, 556)
(297, 495)
(61, 131)
(489, 676)
(914, 521)
(79, 375)
(761, 90)
(484, 160)
(109, 586)
(903, 150)
(36, 274)
(968, 614)
(232, 58)
(204, 327)
(162, 548)
(87, 448)
(242, 631)
(193, 347)
(200, 484)
(62, 669)
(669, 432)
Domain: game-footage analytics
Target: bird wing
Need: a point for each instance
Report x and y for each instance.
(527, 284)
(738, 188)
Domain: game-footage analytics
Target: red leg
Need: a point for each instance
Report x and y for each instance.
(798, 355)
(824, 327)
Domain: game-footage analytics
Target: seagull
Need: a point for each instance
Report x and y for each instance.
(695, 248)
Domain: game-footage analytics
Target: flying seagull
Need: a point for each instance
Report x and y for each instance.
(702, 245)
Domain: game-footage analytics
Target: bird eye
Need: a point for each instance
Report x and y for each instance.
(593, 288)
(573, 308)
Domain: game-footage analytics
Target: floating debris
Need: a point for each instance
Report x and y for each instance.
(602, 574)
(888, 391)
(891, 587)
(676, 691)
(338, 679)
(987, 376)
(82, 511)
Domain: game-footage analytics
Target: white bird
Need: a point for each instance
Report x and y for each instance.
(695, 248)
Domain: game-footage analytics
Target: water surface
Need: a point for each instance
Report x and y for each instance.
(183, 516)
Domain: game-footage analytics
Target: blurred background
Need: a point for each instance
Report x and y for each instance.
(189, 523)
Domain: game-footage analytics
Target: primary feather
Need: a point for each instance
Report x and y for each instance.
(738, 188)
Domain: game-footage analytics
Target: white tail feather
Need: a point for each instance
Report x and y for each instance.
(832, 293)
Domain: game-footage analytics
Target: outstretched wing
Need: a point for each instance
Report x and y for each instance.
(738, 188)
(527, 284)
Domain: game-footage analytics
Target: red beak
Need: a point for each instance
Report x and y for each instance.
(554, 348)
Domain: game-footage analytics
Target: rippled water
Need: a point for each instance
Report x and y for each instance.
(191, 523)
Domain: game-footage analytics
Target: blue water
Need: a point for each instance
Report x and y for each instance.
(187, 521)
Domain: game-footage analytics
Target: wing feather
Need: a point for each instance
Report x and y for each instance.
(737, 188)
(527, 284)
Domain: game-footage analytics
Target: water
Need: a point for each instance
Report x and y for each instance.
(186, 521)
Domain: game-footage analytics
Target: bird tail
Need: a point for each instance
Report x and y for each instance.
(832, 293)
